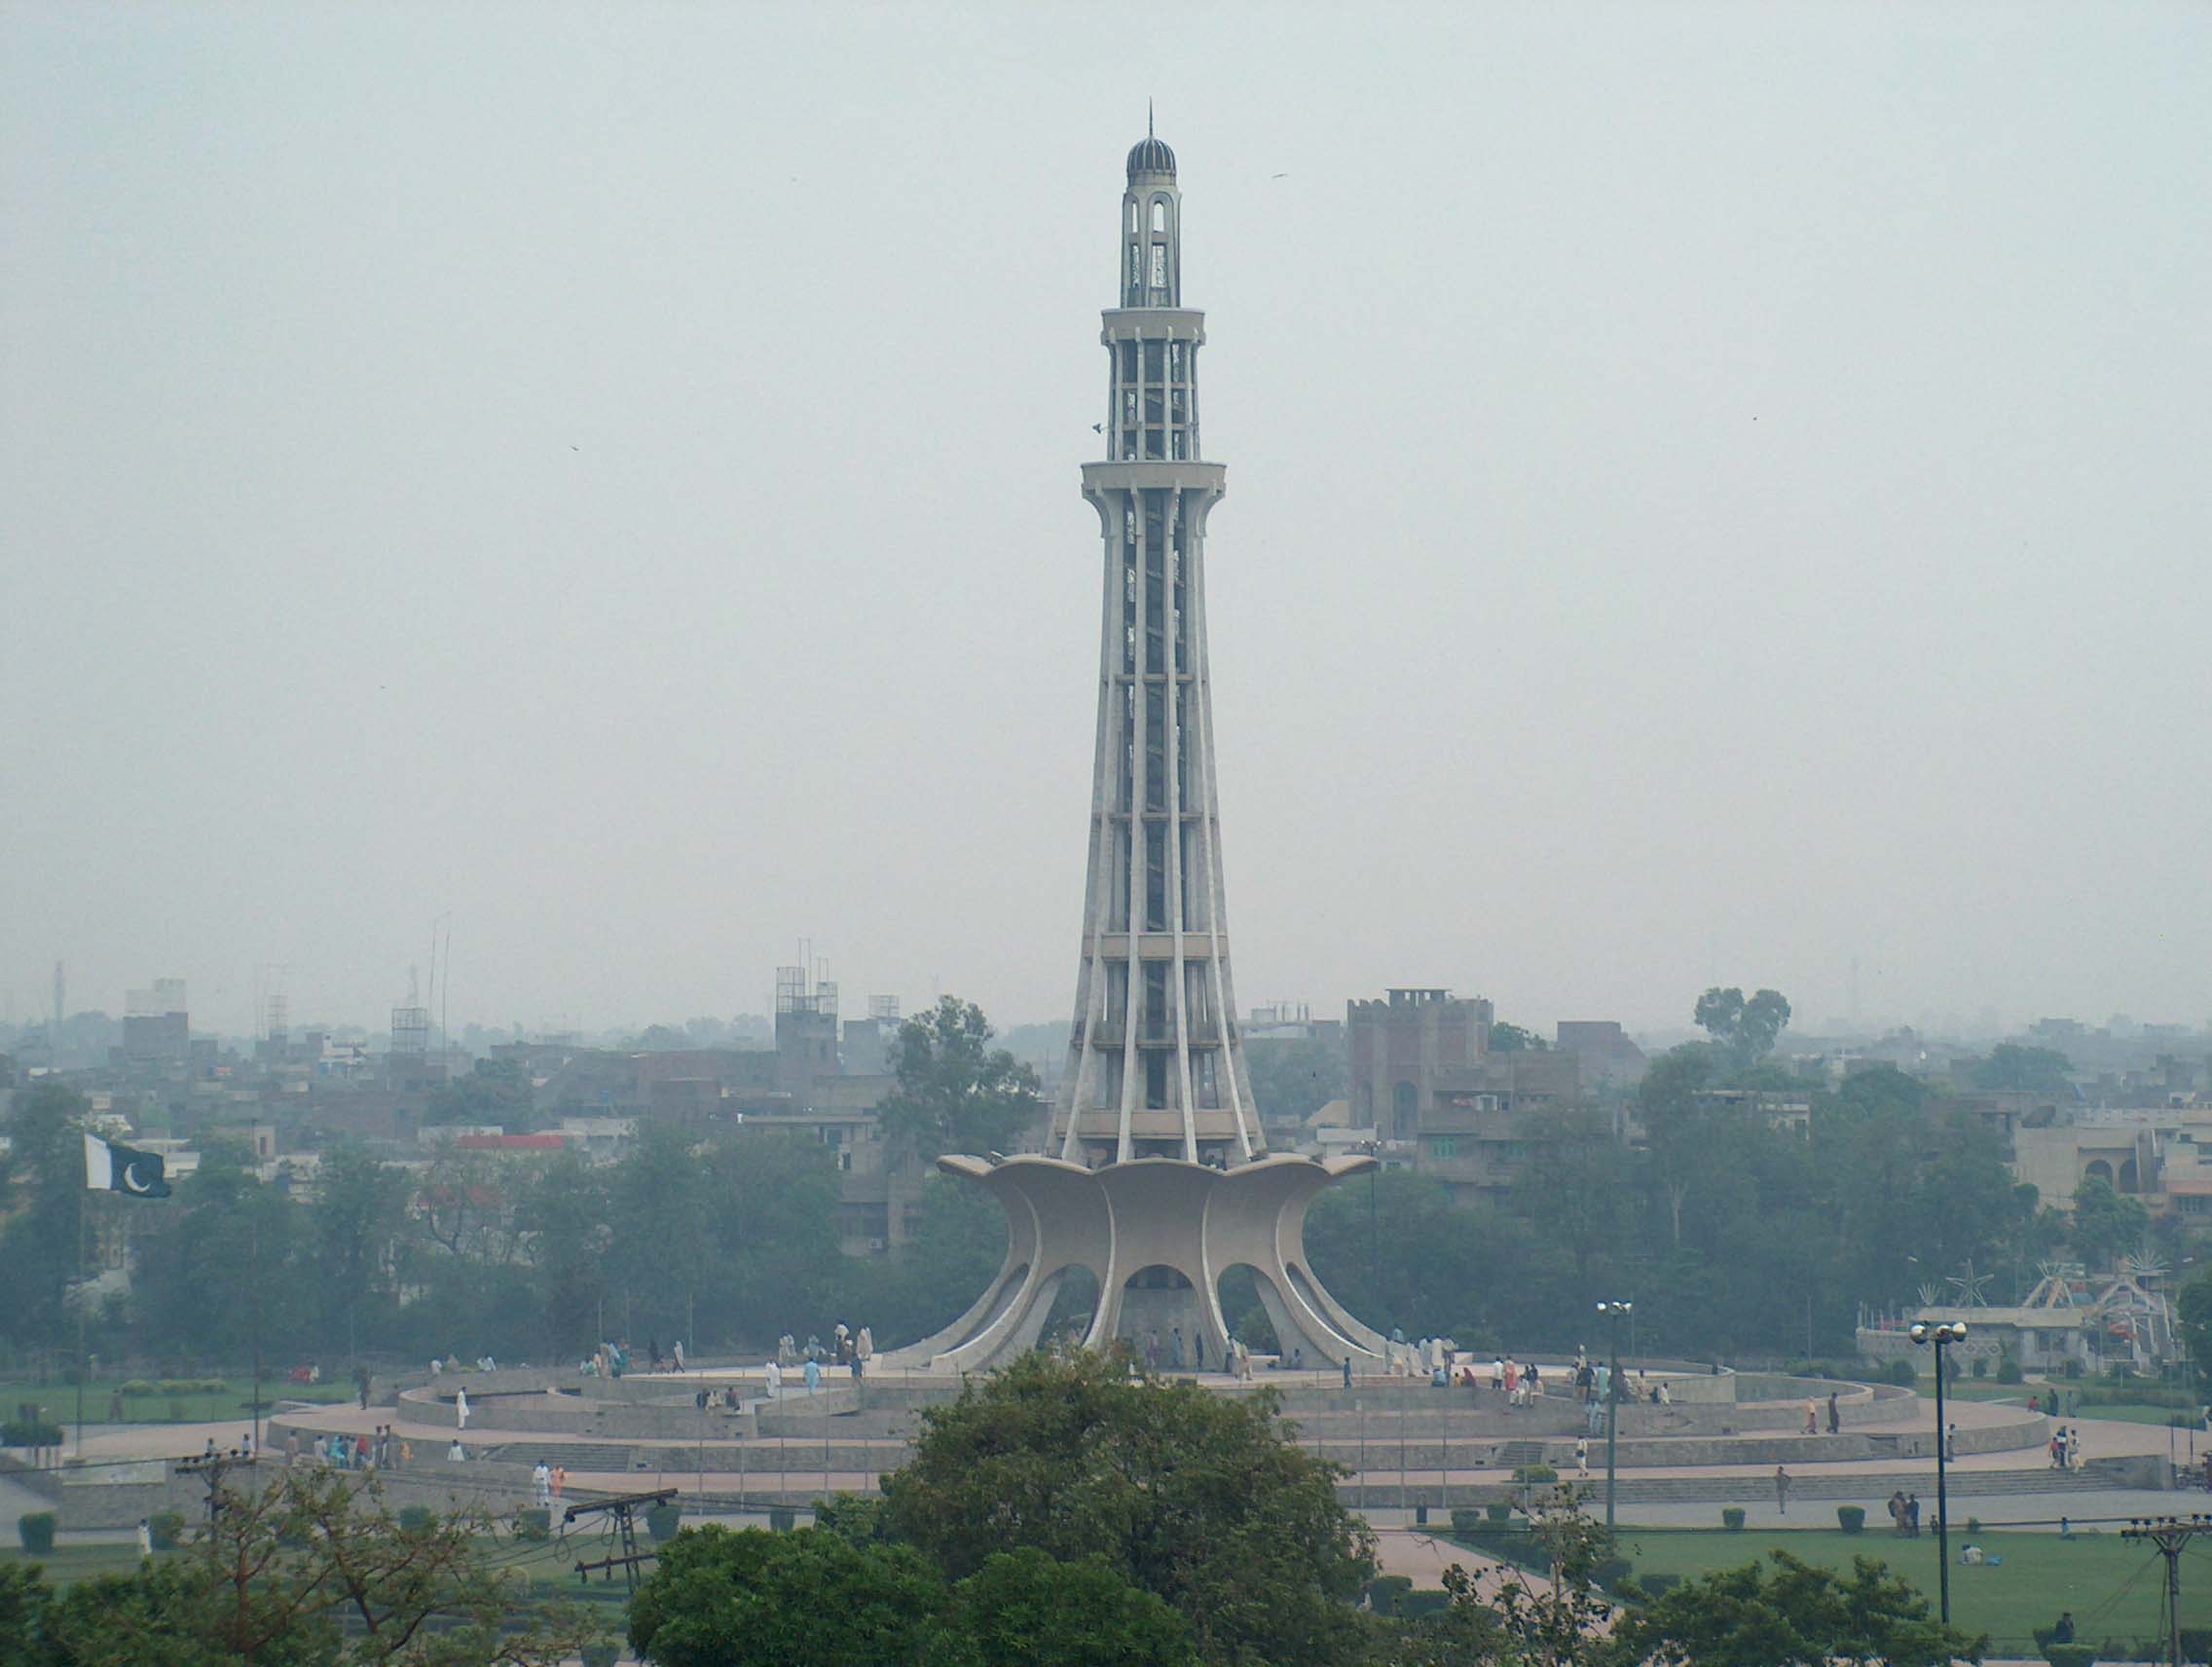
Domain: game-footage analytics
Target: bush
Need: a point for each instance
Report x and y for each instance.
(1980, 1366)
(415, 1518)
(1384, 1591)
(663, 1520)
(1732, 1518)
(30, 1433)
(35, 1529)
(2070, 1654)
(1657, 1586)
(134, 1388)
(1411, 1606)
(602, 1653)
(1465, 1520)
(1904, 1371)
(2197, 1644)
(1534, 1473)
(533, 1521)
(780, 1518)
(2070, 1368)
(167, 1528)
(1973, 1525)
(2009, 1371)
(1852, 1518)
(1612, 1572)
(1500, 1511)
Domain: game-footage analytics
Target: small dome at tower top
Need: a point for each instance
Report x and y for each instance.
(1150, 156)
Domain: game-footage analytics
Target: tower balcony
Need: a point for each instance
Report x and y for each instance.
(1137, 474)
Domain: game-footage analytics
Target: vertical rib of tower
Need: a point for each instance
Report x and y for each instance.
(1155, 1067)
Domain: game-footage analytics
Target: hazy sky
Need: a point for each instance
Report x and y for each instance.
(1715, 493)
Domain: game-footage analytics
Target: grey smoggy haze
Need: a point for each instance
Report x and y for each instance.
(1715, 493)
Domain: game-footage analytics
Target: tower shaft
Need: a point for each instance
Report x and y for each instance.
(1155, 1064)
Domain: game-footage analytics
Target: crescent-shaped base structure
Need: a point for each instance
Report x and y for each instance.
(1158, 1234)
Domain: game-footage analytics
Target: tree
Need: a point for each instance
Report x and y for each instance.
(2042, 1070)
(955, 1092)
(46, 1192)
(313, 1572)
(495, 1091)
(1795, 1616)
(811, 1598)
(1198, 1500)
(2194, 1307)
(358, 1220)
(1513, 1039)
(1293, 1078)
(2106, 1224)
(1022, 1608)
(1748, 1030)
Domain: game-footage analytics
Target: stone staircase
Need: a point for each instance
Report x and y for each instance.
(575, 1454)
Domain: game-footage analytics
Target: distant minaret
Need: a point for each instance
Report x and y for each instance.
(1154, 1067)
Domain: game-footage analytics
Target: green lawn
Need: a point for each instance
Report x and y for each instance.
(66, 1565)
(2111, 1585)
(549, 1567)
(236, 1401)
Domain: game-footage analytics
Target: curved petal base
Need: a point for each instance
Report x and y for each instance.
(1158, 1234)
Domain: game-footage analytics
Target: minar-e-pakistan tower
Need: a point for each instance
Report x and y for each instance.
(1159, 1179)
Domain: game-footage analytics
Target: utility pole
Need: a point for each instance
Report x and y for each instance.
(212, 1468)
(623, 1507)
(2171, 1536)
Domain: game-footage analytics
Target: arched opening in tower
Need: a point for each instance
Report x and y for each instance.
(1075, 1304)
(1253, 1309)
(1160, 1320)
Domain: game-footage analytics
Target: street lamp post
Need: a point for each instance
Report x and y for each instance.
(1615, 1312)
(1939, 1338)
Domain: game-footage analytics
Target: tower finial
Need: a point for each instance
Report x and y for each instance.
(1148, 132)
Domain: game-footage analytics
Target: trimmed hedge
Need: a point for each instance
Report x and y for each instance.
(533, 1521)
(663, 1521)
(167, 1528)
(35, 1529)
(415, 1518)
(1732, 1518)
(1384, 1591)
(1851, 1519)
(1534, 1473)
(31, 1432)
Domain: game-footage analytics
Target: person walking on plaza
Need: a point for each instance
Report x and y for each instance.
(680, 1353)
(775, 1375)
(1812, 1419)
(1781, 1490)
(1582, 1456)
(541, 1477)
(460, 1409)
(560, 1481)
(1950, 1443)
(1897, 1514)
(1835, 1419)
(813, 1374)
(291, 1447)
(1912, 1516)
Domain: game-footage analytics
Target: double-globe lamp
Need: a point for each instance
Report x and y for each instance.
(1940, 1337)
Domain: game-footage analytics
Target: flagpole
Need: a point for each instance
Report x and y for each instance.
(254, 1278)
(84, 1209)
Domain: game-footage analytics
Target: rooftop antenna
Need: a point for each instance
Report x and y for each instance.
(1148, 134)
